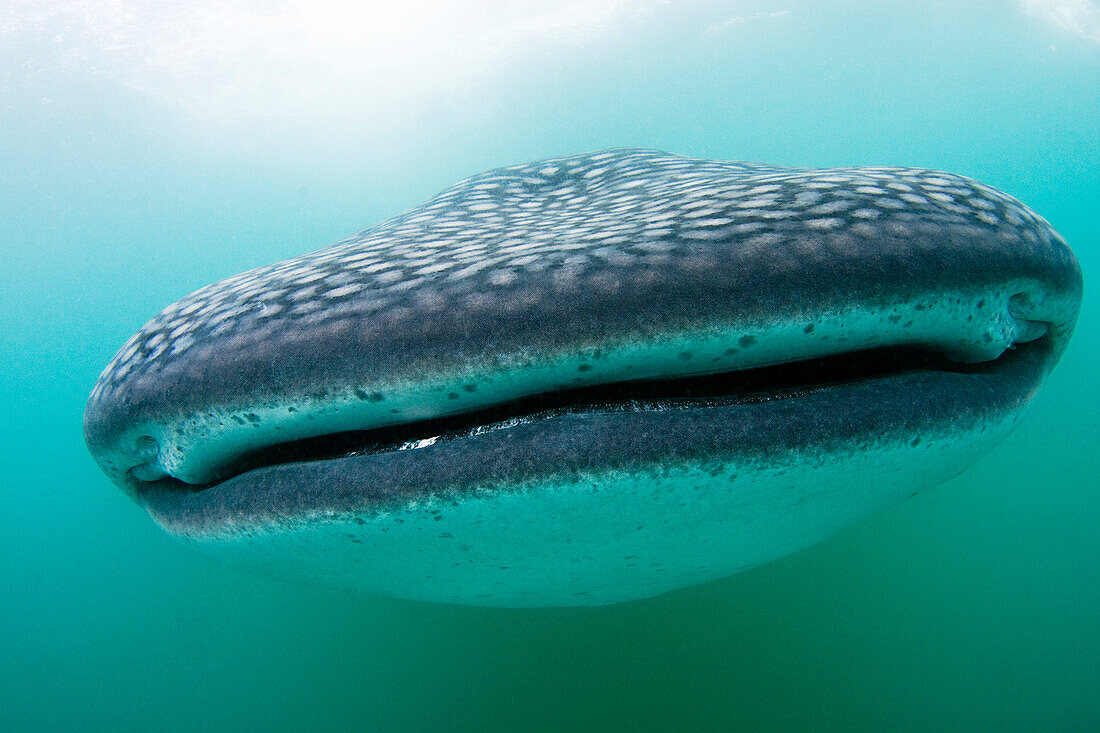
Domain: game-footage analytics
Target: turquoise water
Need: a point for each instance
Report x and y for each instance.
(143, 156)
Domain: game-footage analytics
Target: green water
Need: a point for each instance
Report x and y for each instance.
(144, 155)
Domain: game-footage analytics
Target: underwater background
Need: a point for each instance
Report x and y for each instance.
(148, 149)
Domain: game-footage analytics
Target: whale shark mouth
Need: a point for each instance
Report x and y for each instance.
(895, 374)
(752, 386)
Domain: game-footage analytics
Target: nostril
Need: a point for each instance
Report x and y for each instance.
(1020, 301)
(1023, 309)
(146, 446)
(146, 450)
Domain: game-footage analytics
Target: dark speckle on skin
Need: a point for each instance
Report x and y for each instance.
(894, 318)
(469, 387)
(729, 352)
(746, 341)
(360, 394)
(809, 328)
(685, 355)
(376, 397)
(452, 395)
(252, 417)
(584, 368)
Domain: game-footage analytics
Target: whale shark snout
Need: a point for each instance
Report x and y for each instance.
(591, 379)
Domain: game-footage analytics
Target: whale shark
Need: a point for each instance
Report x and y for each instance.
(591, 379)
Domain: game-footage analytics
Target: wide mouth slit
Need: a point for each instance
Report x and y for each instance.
(749, 386)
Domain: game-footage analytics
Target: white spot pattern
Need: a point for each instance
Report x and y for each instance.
(564, 215)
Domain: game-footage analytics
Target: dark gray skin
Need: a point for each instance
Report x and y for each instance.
(575, 272)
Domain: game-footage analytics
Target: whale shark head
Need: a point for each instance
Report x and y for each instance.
(591, 379)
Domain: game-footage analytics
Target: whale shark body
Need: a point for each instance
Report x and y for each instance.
(591, 379)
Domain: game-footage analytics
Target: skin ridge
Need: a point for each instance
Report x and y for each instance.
(843, 418)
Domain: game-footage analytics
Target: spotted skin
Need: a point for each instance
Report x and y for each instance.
(564, 220)
(577, 271)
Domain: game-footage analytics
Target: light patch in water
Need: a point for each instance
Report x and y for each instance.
(228, 59)
(1080, 17)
